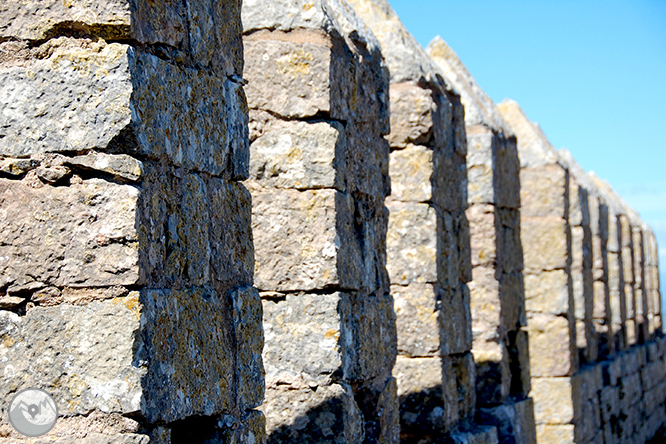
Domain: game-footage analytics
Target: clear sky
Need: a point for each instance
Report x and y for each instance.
(592, 73)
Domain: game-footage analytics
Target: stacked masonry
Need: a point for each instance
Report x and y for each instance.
(619, 399)
(127, 253)
(547, 247)
(318, 96)
(497, 290)
(428, 241)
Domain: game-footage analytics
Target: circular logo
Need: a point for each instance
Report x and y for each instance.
(33, 412)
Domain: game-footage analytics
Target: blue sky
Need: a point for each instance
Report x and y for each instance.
(592, 73)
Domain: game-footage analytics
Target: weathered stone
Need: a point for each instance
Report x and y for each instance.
(416, 319)
(455, 320)
(138, 98)
(548, 292)
(514, 421)
(300, 155)
(478, 435)
(118, 165)
(305, 339)
(413, 111)
(555, 433)
(551, 346)
(313, 414)
(483, 236)
(411, 243)
(420, 393)
(84, 356)
(208, 32)
(459, 379)
(82, 235)
(486, 305)
(544, 242)
(493, 382)
(555, 399)
(411, 169)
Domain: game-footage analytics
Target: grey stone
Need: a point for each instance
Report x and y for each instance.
(416, 319)
(76, 236)
(84, 356)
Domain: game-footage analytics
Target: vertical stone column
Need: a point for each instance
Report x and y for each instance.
(318, 97)
(546, 239)
(126, 237)
(580, 192)
(652, 282)
(497, 289)
(602, 313)
(428, 240)
(639, 284)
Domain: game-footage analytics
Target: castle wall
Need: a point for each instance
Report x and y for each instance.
(127, 253)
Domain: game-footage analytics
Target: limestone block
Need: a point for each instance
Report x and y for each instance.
(551, 346)
(509, 247)
(411, 171)
(547, 292)
(305, 338)
(249, 336)
(300, 155)
(114, 97)
(83, 356)
(416, 319)
(411, 243)
(455, 320)
(329, 77)
(412, 112)
(312, 414)
(194, 230)
(77, 236)
(543, 191)
(209, 32)
(493, 381)
(483, 234)
(420, 393)
(544, 241)
(192, 380)
(374, 336)
(458, 389)
(486, 305)
(514, 421)
(296, 247)
(512, 289)
(563, 434)
(556, 400)
(480, 187)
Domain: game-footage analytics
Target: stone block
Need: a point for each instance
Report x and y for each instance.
(480, 186)
(312, 414)
(455, 320)
(543, 192)
(207, 32)
(483, 234)
(512, 289)
(411, 171)
(85, 357)
(412, 112)
(420, 394)
(194, 230)
(507, 172)
(138, 96)
(609, 398)
(330, 76)
(83, 235)
(300, 155)
(195, 379)
(509, 247)
(545, 245)
(453, 260)
(520, 362)
(493, 372)
(514, 421)
(416, 319)
(458, 389)
(556, 400)
(561, 434)
(305, 339)
(551, 346)
(547, 292)
(411, 243)
(486, 304)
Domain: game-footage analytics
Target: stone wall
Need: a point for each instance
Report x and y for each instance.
(318, 97)
(424, 265)
(126, 244)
